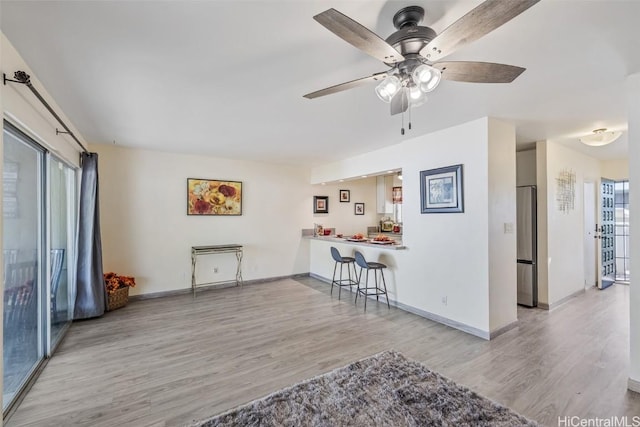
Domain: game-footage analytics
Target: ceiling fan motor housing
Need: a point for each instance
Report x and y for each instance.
(410, 37)
(408, 16)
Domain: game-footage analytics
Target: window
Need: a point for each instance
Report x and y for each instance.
(622, 230)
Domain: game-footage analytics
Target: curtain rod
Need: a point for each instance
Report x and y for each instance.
(24, 78)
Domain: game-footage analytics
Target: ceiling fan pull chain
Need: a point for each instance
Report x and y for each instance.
(409, 116)
(402, 128)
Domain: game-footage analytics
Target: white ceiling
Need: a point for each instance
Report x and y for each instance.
(226, 78)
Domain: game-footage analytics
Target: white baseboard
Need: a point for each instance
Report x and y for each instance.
(633, 385)
(448, 322)
(502, 330)
(561, 301)
(231, 284)
(436, 318)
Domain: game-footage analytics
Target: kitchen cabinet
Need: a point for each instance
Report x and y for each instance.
(384, 186)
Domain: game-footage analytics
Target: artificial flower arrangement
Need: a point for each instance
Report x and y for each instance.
(114, 282)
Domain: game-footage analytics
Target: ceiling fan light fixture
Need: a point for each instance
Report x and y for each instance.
(416, 96)
(388, 88)
(600, 137)
(426, 77)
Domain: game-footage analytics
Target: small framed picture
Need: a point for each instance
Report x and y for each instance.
(359, 208)
(396, 195)
(441, 190)
(320, 204)
(345, 196)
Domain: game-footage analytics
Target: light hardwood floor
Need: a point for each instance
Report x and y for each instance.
(168, 361)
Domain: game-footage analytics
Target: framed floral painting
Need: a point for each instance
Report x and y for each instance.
(213, 197)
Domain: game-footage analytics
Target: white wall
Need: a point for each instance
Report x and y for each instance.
(561, 268)
(618, 170)
(526, 167)
(23, 110)
(342, 215)
(448, 254)
(633, 101)
(543, 252)
(146, 232)
(502, 214)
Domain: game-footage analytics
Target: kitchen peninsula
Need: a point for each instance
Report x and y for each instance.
(392, 255)
(363, 242)
(369, 207)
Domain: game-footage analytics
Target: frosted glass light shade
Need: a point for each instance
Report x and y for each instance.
(600, 137)
(388, 88)
(416, 96)
(426, 77)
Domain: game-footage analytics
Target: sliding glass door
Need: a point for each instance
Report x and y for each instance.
(38, 233)
(62, 228)
(22, 235)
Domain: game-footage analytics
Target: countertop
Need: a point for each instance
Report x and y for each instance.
(367, 244)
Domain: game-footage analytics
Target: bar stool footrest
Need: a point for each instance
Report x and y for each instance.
(345, 282)
(378, 291)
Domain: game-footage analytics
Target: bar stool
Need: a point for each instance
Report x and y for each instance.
(340, 282)
(376, 290)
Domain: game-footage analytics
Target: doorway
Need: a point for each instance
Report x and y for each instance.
(590, 258)
(607, 234)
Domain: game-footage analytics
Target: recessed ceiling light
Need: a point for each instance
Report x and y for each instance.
(389, 171)
(364, 176)
(324, 183)
(342, 180)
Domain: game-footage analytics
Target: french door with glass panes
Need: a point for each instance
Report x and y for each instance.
(607, 234)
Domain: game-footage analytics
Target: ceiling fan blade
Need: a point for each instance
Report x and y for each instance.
(478, 72)
(400, 102)
(480, 21)
(358, 35)
(345, 86)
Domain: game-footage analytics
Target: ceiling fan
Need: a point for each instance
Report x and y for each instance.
(414, 52)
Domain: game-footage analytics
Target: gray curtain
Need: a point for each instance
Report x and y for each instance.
(90, 292)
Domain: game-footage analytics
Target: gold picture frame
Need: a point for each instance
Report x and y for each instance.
(214, 197)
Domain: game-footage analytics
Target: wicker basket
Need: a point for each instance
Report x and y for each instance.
(118, 299)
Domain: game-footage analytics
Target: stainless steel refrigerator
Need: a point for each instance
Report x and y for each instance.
(527, 246)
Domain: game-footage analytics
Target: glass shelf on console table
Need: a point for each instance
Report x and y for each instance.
(397, 245)
(211, 250)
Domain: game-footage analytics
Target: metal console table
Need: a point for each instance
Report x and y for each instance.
(211, 250)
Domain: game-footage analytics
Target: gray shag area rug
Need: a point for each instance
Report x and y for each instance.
(386, 389)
